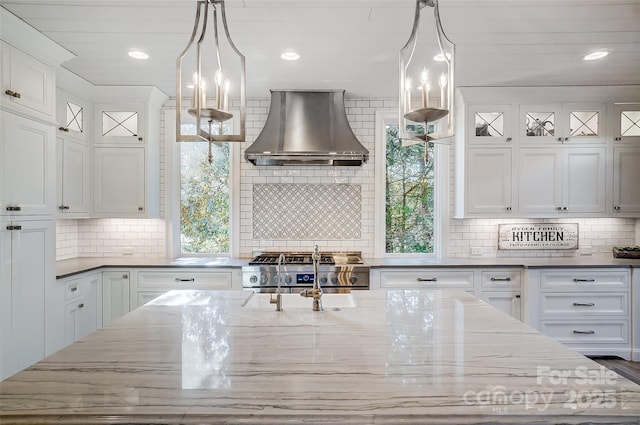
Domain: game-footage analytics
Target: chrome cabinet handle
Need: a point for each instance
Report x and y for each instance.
(509, 139)
(427, 279)
(584, 304)
(616, 208)
(12, 208)
(617, 139)
(583, 280)
(81, 305)
(589, 332)
(13, 94)
(74, 289)
(10, 227)
(185, 280)
(66, 130)
(500, 279)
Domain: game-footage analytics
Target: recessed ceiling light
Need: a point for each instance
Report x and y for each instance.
(290, 56)
(137, 54)
(440, 57)
(595, 55)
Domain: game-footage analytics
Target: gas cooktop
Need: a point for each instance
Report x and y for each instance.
(292, 258)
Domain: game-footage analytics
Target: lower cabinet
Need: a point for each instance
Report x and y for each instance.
(586, 309)
(115, 295)
(83, 307)
(500, 287)
(151, 283)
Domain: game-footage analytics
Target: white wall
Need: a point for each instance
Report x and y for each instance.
(116, 237)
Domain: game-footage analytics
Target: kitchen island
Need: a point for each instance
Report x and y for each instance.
(400, 356)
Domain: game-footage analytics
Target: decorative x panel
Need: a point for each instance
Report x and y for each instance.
(540, 123)
(630, 123)
(119, 123)
(75, 117)
(583, 123)
(490, 124)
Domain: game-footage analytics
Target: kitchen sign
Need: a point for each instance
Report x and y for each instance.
(538, 236)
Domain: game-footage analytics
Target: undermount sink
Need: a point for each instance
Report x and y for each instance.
(329, 301)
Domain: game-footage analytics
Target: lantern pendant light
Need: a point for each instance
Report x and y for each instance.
(429, 62)
(212, 83)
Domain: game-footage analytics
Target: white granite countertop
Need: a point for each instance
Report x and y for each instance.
(411, 357)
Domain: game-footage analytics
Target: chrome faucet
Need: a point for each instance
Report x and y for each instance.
(316, 291)
(278, 299)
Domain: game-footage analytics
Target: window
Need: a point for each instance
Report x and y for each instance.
(407, 202)
(201, 195)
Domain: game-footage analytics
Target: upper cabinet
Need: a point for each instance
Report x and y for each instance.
(625, 122)
(73, 116)
(545, 152)
(566, 123)
(120, 123)
(28, 85)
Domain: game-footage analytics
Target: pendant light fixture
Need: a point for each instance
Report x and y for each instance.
(426, 79)
(213, 85)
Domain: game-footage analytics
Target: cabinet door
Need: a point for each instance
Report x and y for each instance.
(583, 123)
(489, 124)
(539, 183)
(91, 310)
(115, 296)
(73, 116)
(28, 166)
(538, 124)
(119, 185)
(119, 123)
(584, 180)
(507, 302)
(489, 177)
(626, 180)
(73, 321)
(27, 276)
(74, 179)
(28, 85)
(625, 123)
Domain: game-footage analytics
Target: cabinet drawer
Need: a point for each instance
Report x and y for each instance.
(587, 304)
(427, 279)
(578, 331)
(72, 289)
(583, 280)
(182, 279)
(501, 279)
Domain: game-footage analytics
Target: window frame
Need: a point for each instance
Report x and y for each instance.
(172, 192)
(384, 117)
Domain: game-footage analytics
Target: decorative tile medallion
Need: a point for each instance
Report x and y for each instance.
(306, 211)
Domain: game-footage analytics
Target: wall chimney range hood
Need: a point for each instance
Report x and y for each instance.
(307, 127)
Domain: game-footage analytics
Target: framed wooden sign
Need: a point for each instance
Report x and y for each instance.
(538, 236)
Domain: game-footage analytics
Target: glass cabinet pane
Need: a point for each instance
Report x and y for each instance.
(489, 124)
(75, 117)
(119, 123)
(630, 123)
(583, 123)
(540, 124)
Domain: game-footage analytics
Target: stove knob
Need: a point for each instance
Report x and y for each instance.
(353, 280)
(263, 279)
(288, 279)
(323, 280)
(334, 280)
(253, 279)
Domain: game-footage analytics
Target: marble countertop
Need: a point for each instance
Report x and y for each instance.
(410, 357)
(65, 268)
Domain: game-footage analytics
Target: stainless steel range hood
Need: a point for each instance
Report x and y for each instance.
(307, 127)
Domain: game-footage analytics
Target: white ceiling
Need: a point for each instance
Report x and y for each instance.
(349, 44)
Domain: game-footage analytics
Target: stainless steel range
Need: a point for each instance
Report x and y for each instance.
(337, 272)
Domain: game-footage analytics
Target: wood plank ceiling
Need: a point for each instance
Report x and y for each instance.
(350, 44)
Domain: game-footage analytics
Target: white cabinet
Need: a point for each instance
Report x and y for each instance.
(625, 123)
(626, 176)
(27, 155)
(149, 284)
(115, 295)
(28, 85)
(431, 278)
(73, 178)
(27, 250)
(489, 124)
(119, 182)
(83, 306)
(502, 288)
(488, 185)
(562, 181)
(73, 116)
(635, 313)
(587, 309)
(562, 123)
(126, 155)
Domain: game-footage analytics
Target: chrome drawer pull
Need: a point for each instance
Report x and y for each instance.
(583, 280)
(500, 279)
(185, 280)
(427, 279)
(589, 332)
(584, 304)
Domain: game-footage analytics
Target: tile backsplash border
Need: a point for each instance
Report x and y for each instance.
(147, 238)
